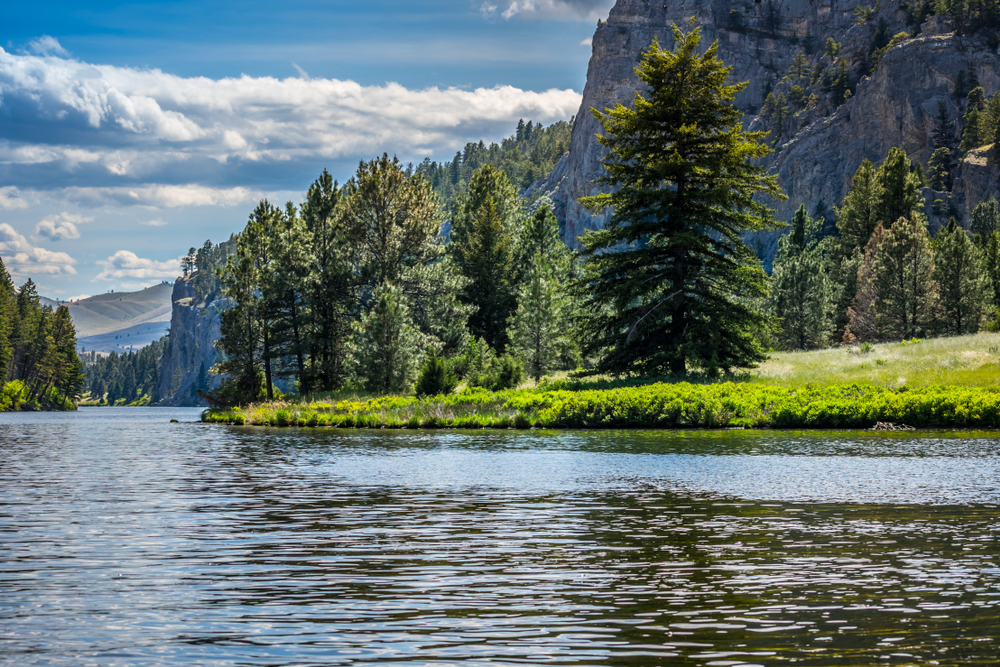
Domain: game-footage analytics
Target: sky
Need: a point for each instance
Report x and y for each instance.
(130, 132)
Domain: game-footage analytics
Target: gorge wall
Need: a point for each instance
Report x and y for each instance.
(821, 146)
(191, 353)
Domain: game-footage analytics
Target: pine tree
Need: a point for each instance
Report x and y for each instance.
(389, 346)
(800, 290)
(944, 135)
(669, 280)
(331, 287)
(8, 311)
(863, 314)
(900, 188)
(991, 263)
(484, 248)
(972, 122)
(958, 272)
(903, 273)
(860, 213)
(939, 169)
(986, 218)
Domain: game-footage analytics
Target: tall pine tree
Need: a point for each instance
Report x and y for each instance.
(671, 282)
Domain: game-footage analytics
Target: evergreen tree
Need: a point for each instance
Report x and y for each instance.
(899, 188)
(859, 215)
(393, 219)
(389, 346)
(331, 288)
(484, 248)
(863, 314)
(939, 169)
(986, 218)
(801, 292)
(958, 272)
(944, 135)
(972, 122)
(903, 273)
(991, 262)
(8, 311)
(670, 281)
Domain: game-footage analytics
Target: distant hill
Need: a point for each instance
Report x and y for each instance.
(137, 317)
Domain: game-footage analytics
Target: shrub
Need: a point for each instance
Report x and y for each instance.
(435, 378)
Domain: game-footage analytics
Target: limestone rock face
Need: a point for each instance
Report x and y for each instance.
(981, 178)
(897, 106)
(194, 328)
(820, 151)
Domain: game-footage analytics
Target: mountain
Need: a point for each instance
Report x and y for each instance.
(120, 320)
(851, 100)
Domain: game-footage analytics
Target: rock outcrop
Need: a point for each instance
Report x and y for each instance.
(822, 146)
(194, 328)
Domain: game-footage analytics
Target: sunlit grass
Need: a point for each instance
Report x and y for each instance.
(972, 361)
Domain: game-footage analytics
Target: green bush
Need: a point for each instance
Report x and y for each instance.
(435, 378)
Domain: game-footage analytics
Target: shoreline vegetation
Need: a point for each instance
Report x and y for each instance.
(938, 383)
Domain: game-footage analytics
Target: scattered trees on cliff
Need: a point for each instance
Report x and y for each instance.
(39, 366)
(670, 284)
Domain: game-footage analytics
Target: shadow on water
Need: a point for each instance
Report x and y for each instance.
(128, 540)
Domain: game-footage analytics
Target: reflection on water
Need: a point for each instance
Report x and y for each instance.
(127, 540)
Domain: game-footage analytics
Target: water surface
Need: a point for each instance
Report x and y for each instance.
(128, 540)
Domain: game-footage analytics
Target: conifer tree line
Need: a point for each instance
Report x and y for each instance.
(38, 360)
(526, 156)
(883, 277)
(124, 378)
(358, 287)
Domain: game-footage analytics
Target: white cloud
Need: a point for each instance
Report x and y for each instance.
(587, 42)
(24, 260)
(61, 226)
(573, 10)
(11, 199)
(120, 131)
(156, 223)
(78, 297)
(47, 46)
(126, 264)
(163, 196)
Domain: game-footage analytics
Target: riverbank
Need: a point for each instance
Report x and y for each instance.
(660, 405)
(15, 397)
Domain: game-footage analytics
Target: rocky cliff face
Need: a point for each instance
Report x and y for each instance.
(823, 144)
(194, 328)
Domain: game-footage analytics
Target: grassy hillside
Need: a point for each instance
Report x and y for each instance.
(972, 361)
(113, 312)
(945, 382)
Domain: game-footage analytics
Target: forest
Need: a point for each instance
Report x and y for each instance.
(41, 370)
(130, 378)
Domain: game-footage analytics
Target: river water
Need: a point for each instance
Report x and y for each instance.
(129, 540)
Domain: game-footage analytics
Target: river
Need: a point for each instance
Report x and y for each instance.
(126, 539)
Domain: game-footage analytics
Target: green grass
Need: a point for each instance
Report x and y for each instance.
(939, 383)
(971, 361)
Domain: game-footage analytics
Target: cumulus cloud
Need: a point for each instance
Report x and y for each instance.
(24, 260)
(61, 226)
(573, 10)
(140, 136)
(587, 42)
(126, 264)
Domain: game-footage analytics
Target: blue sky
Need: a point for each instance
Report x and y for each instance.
(130, 131)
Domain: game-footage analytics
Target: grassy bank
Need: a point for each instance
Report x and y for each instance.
(15, 397)
(953, 382)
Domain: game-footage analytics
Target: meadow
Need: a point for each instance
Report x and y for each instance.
(938, 383)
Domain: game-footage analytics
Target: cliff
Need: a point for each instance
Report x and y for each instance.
(819, 148)
(191, 353)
